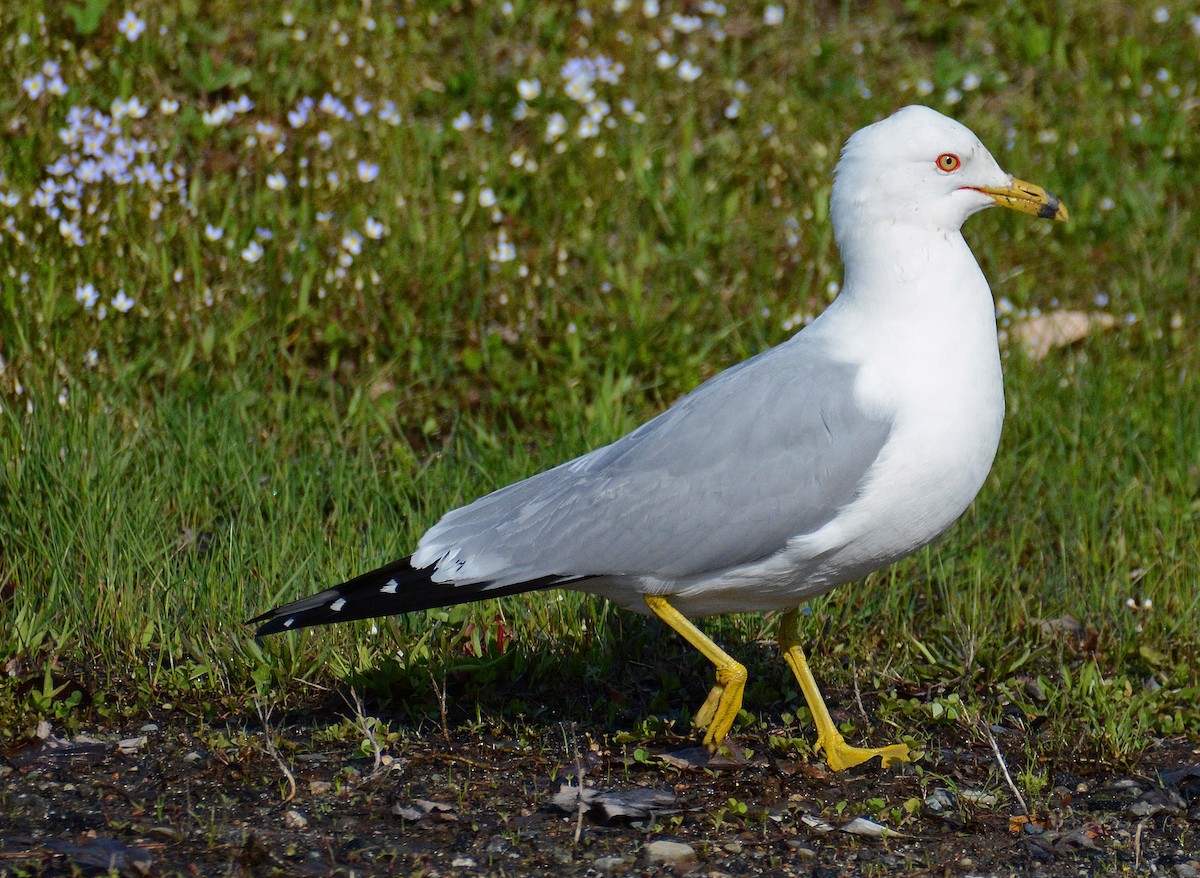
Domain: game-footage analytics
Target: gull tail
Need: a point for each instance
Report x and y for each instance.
(392, 589)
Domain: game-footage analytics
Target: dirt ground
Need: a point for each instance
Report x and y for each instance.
(189, 798)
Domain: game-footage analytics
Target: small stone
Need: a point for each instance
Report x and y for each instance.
(149, 727)
(130, 746)
(609, 864)
(668, 852)
(194, 756)
(295, 820)
(800, 850)
(462, 863)
(734, 847)
(1183, 870)
(940, 801)
(319, 787)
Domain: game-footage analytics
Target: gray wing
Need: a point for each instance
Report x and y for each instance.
(765, 451)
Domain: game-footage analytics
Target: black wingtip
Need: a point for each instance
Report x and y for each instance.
(389, 591)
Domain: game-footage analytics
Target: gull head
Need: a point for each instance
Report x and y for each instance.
(918, 168)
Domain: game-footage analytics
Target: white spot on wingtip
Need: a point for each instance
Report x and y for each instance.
(289, 622)
(390, 588)
(337, 605)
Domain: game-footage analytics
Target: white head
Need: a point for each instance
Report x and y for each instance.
(921, 169)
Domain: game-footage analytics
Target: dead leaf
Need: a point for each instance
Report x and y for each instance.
(869, 828)
(421, 808)
(1041, 334)
(632, 804)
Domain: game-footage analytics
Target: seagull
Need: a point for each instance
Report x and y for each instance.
(847, 447)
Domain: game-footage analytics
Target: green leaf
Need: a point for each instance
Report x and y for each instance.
(87, 17)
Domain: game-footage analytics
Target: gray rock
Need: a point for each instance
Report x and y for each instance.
(668, 852)
(610, 864)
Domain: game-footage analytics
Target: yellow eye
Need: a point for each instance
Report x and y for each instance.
(948, 162)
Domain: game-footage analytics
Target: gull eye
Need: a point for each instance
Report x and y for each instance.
(948, 162)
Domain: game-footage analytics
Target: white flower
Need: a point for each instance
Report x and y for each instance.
(462, 121)
(664, 60)
(773, 15)
(133, 108)
(374, 228)
(91, 358)
(362, 106)
(924, 87)
(971, 81)
(528, 89)
(352, 243)
(733, 109)
(487, 198)
(86, 295)
(688, 71)
(276, 181)
(367, 171)
(34, 85)
(504, 251)
(252, 252)
(389, 113)
(556, 127)
(132, 26)
(168, 107)
(122, 302)
(217, 116)
(70, 230)
(213, 233)
(686, 24)
(649, 8)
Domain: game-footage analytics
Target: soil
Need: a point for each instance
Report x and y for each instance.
(191, 798)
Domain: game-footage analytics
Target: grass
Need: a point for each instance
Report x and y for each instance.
(289, 400)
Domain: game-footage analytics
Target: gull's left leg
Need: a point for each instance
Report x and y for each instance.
(721, 707)
(838, 753)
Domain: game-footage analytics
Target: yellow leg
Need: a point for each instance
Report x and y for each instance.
(838, 753)
(721, 708)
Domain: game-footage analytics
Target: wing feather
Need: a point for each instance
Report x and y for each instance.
(765, 451)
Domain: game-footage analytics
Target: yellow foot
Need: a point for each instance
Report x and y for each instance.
(704, 716)
(841, 755)
(721, 708)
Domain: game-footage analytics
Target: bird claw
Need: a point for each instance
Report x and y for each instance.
(840, 755)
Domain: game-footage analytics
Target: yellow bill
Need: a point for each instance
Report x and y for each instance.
(1028, 198)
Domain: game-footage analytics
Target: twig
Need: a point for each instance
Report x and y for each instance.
(1137, 845)
(573, 744)
(367, 727)
(441, 697)
(858, 692)
(1003, 767)
(264, 714)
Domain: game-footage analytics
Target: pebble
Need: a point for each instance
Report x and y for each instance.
(668, 852)
(1184, 870)
(295, 820)
(462, 863)
(609, 864)
(800, 850)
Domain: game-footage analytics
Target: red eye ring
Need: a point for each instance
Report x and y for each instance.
(948, 162)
